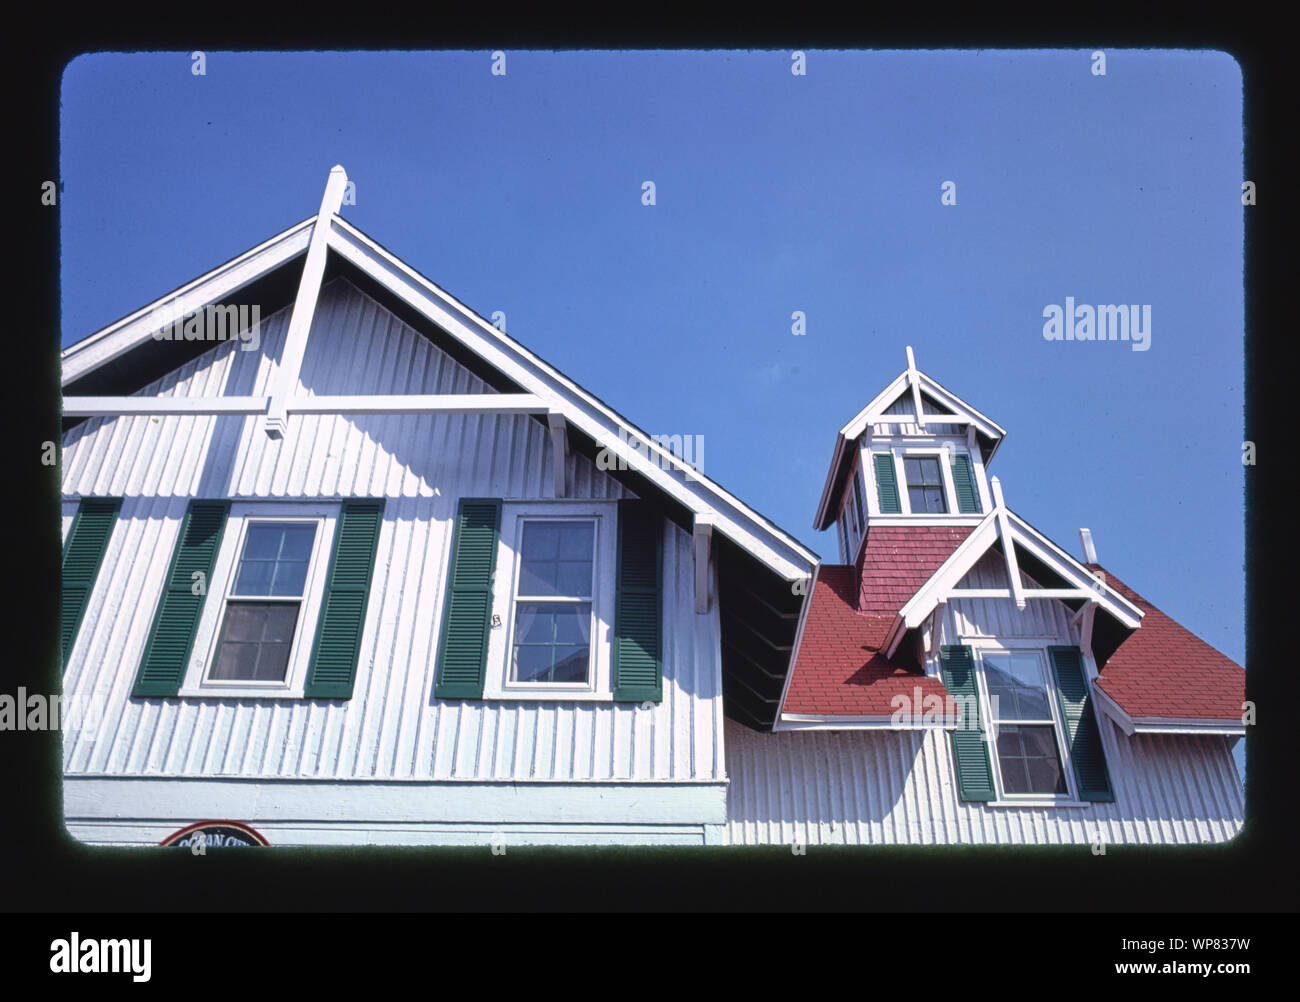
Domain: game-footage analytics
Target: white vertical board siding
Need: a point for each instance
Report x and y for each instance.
(999, 617)
(391, 728)
(904, 406)
(899, 787)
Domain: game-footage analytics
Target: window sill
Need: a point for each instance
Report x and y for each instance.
(212, 692)
(1039, 803)
(550, 695)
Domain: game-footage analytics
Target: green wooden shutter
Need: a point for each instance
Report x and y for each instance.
(171, 637)
(970, 749)
(467, 608)
(963, 479)
(337, 647)
(83, 552)
(887, 484)
(638, 628)
(1081, 731)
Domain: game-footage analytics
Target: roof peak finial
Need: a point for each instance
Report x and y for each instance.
(911, 360)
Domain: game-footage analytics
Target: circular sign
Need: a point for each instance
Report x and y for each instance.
(215, 835)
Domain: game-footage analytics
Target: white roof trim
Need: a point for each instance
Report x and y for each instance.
(876, 410)
(780, 551)
(974, 546)
(1131, 725)
(861, 722)
(118, 338)
(931, 387)
(772, 545)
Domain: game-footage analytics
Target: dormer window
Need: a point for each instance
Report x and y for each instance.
(925, 486)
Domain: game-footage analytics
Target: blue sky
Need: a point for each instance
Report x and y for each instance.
(774, 193)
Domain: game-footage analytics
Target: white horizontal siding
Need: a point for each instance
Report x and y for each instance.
(391, 728)
(899, 787)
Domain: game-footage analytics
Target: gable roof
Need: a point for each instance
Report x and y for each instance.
(1157, 677)
(909, 382)
(1164, 678)
(755, 556)
(778, 549)
(1050, 563)
(222, 284)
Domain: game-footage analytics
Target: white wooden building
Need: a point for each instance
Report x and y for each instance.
(365, 573)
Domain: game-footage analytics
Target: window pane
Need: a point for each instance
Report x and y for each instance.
(576, 541)
(552, 641)
(556, 559)
(573, 624)
(1029, 760)
(255, 641)
(912, 470)
(570, 664)
(934, 501)
(297, 542)
(1017, 682)
(275, 559)
(534, 624)
(290, 578)
(532, 664)
(541, 541)
(262, 542)
(254, 577)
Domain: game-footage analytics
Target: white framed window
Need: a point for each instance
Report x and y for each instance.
(924, 484)
(1030, 757)
(923, 473)
(553, 607)
(259, 620)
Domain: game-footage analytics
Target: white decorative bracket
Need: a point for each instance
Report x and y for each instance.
(1008, 544)
(559, 449)
(304, 306)
(932, 629)
(1084, 619)
(703, 536)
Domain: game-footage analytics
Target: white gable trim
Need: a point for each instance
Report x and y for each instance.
(678, 480)
(105, 345)
(545, 388)
(875, 413)
(1131, 725)
(1001, 523)
(961, 412)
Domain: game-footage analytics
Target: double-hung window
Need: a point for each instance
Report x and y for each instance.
(551, 640)
(264, 604)
(257, 627)
(925, 486)
(1027, 749)
(553, 606)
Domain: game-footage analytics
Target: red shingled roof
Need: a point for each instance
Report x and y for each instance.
(1165, 670)
(840, 668)
(1160, 670)
(899, 559)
